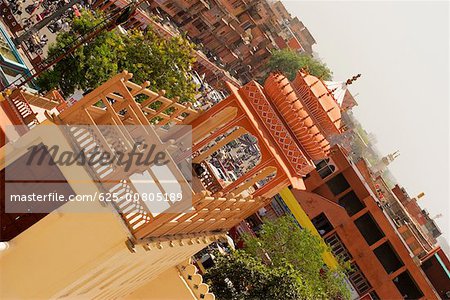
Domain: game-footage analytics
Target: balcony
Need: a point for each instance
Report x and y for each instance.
(358, 280)
(201, 209)
(118, 246)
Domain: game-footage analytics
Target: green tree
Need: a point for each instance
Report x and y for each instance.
(89, 65)
(282, 262)
(289, 62)
(283, 241)
(239, 276)
(165, 63)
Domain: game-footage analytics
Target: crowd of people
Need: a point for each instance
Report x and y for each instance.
(28, 13)
(36, 43)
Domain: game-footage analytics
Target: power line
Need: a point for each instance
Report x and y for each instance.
(119, 17)
(17, 41)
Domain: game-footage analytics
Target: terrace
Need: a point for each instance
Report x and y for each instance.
(114, 103)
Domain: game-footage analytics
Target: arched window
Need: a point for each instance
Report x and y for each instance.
(325, 168)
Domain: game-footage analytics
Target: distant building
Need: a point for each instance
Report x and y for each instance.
(419, 215)
(302, 34)
(235, 35)
(379, 168)
(350, 215)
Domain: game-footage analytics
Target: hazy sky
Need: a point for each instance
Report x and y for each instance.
(401, 48)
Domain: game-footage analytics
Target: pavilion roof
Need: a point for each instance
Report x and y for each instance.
(318, 99)
(325, 97)
(299, 120)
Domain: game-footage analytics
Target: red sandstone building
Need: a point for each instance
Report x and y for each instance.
(392, 254)
(237, 35)
(353, 220)
(241, 34)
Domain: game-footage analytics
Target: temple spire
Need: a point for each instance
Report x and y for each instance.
(393, 156)
(382, 165)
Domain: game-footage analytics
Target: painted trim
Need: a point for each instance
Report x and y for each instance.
(13, 49)
(444, 267)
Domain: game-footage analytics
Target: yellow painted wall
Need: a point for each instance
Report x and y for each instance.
(84, 255)
(57, 251)
(81, 254)
(305, 222)
(170, 285)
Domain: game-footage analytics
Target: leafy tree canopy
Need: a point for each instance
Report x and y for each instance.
(282, 254)
(241, 276)
(284, 241)
(289, 62)
(165, 63)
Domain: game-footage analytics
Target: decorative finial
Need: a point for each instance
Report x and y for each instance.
(331, 91)
(351, 80)
(322, 95)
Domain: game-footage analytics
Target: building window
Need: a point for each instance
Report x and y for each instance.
(181, 14)
(199, 25)
(279, 206)
(358, 280)
(407, 287)
(337, 184)
(351, 203)
(374, 295)
(322, 224)
(388, 258)
(337, 247)
(247, 25)
(369, 229)
(325, 168)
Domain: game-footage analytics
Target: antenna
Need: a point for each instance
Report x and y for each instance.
(437, 216)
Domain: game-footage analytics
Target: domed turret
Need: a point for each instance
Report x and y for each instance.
(318, 100)
(282, 95)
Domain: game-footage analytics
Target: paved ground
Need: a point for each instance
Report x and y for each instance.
(34, 18)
